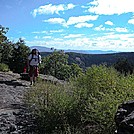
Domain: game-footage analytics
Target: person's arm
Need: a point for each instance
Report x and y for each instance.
(39, 59)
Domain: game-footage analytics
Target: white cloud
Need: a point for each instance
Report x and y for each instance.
(70, 6)
(40, 32)
(105, 41)
(110, 7)
(59, 39)
(100, 28)
(112, 41)
(47, 37)
(80, 25)
(56, 31)
(36, 37)
(56, 21)
(73, 36)
(109, 23)
(51, 9)
(117, 29)
(131, 21)
(81, 19)
(118, 41)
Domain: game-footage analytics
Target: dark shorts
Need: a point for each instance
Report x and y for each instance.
(34, 71)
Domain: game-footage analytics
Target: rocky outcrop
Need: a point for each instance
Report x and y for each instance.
(124, 118)
(49, 78)
(15, 118)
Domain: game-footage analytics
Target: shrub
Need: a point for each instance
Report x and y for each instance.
(87, 104)
(54, 106)
(102, 89)
(4, 67)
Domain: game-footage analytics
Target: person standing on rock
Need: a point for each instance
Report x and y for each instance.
(34, 59)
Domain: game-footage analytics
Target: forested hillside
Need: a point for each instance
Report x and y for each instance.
(87, 60)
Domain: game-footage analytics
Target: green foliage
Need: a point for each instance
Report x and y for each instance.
(12, 54)
(75, 70)
(5, 46)
(102, 89)
(53, 105)
(56, 64)
(4, 67)
(88, 101)
(19, 56)
(124, 66)
(6, 52)
(3, 31)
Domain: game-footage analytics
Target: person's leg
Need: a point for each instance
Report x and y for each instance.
(31, 80)
(31, 75)
(34, 79)
(35, 74)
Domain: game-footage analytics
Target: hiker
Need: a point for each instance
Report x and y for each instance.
(34, 59)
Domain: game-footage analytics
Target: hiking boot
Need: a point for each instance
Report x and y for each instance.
(31, 83)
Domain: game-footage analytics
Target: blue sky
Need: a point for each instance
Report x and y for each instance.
(80, 25)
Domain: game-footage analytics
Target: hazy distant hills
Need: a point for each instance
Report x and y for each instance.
(46, 49)
(42, 49)
(86, 58)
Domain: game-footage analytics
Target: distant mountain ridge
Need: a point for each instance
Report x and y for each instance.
(46, 49)
(42, 49)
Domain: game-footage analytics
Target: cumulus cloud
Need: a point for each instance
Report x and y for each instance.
(56, 31)
(80, 25)
(47, 37)
(81, 19)
(52, 9)
(131, 21)
(73, 36)
(100, 28)
(106, 41)
(56, 21)
(120, 29)
(110, 7)
(40, 32)
(117, 29)
(109, 23)
(37, 37)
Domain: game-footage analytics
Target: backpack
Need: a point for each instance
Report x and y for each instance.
(33, 55)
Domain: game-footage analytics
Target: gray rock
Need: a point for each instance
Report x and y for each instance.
(12, 128)
(124, 118)
(12, 109)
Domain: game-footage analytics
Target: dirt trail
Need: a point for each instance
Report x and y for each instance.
(12, 109)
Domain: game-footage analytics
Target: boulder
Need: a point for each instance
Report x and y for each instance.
(52, 79)
(124, 118)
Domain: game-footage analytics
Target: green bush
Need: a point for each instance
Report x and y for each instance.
(102, 89)
(87, 104)
(4, 67)
(52, 104)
